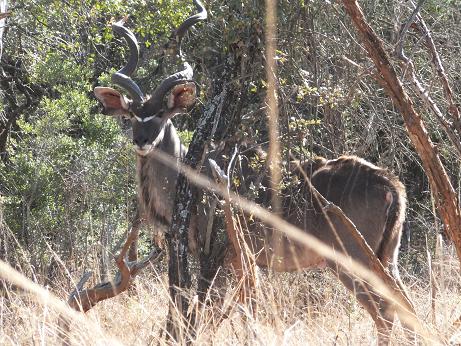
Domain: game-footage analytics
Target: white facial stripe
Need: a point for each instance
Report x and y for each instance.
(144, 120)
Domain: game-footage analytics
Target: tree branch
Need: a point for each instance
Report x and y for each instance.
(452, 129)
(438, 67)
(84, 299)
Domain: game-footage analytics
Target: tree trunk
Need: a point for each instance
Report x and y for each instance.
(185, 200)
(220, 120)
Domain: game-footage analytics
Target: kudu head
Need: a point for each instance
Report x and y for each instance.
(150, 114)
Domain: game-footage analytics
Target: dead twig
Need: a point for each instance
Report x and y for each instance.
(84, 299)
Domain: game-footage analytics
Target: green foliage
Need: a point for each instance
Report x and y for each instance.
(57, 70)
(186, 136)
(69, 167)
(69, 176)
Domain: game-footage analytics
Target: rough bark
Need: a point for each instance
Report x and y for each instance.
(220, 120)
(186, 199)
(442, 190)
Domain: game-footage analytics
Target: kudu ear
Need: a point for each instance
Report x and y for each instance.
(181, 98)
(114, 103)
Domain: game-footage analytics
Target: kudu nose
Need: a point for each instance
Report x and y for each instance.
(140, 142)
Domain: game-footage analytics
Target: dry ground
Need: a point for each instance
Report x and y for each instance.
(294, 309)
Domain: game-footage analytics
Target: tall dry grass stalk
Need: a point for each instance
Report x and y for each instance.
(272, 110)
(272, 102)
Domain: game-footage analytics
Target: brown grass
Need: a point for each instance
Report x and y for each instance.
(293, 309)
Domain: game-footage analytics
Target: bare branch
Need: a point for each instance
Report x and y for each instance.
(438, 67)
(451, 128)
(84, 299)
(423, 94)
(243, 260)
(79, 286)
(399, 46)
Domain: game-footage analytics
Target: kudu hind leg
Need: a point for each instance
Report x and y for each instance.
(409, 330)
(381, 311)
(388, 257)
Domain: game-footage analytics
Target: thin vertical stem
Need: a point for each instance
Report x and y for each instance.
(273, 119)
(271, 101)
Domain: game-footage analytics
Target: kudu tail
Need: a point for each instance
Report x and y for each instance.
(389, 247)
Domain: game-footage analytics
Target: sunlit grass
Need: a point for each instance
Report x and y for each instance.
(293, 309)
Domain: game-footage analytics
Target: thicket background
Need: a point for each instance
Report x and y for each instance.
(67, 180)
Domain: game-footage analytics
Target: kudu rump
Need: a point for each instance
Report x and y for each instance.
(372, 198)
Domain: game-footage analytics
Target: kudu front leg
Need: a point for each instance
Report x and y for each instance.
(243, 264)
(242, 260)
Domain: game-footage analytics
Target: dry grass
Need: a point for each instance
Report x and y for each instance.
(293, 309)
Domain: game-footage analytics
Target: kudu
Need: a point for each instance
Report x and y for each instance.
(372, 198)
(152, 128)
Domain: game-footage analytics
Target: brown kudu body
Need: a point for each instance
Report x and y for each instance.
(370, 196)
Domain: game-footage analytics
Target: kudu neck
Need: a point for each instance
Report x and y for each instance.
(170, 144)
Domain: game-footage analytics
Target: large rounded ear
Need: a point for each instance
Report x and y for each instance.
(181, 98)
(114, 103)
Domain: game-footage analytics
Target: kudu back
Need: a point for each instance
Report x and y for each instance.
(370, 196)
